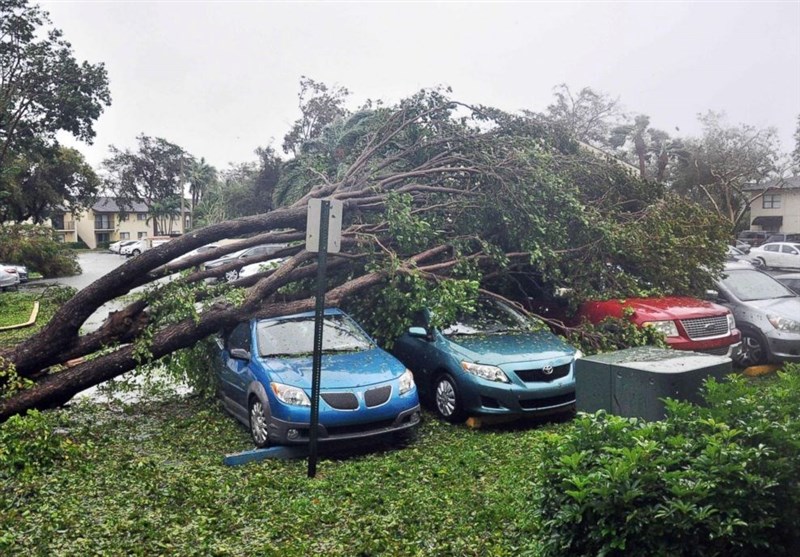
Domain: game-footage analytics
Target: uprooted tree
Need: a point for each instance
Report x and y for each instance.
(440, 199)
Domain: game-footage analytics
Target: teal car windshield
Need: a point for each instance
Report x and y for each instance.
(295, 337)
(489, 318)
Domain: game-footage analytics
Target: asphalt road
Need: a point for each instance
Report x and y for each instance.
(94, 264)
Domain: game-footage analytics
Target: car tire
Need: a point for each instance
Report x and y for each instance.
(761, 263)
(753, 351)
(135, 252)
(259, 420)
(447, 399)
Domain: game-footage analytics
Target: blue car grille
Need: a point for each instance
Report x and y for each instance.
(534, 375)
(376, 397)
(534, 403)
(360, 428)
(340, 401)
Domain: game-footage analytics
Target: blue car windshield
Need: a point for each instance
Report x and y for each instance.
(294, 337)
(490, 317)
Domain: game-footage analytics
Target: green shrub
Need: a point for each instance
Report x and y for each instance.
(31, 443)
(721, 480)
(36, 247)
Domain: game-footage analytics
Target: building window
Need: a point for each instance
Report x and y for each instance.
(771, 201)
(103, 222)
(124, 235)
(103, 238)
(141, 235)
(141, 216)
(123, 217)
(58, 222)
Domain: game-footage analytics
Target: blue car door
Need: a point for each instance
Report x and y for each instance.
(235, 375)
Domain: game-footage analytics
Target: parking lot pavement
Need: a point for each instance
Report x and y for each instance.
(94, 265)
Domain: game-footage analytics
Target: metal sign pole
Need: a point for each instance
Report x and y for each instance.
(316, 373)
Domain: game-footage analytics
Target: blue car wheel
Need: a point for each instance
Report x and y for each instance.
(258, 423)
(447, 399)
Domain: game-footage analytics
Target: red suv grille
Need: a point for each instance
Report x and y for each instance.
(706, 327)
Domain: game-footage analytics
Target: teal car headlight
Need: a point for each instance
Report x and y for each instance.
(784, 324)
(290, 395)
(668, 328)
(406, 382)
(490, 373)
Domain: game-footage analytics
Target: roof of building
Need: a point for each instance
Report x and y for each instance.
(792, 182)
(116, 205)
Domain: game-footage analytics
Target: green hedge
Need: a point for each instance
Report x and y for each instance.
(36, 247)
(719, 480)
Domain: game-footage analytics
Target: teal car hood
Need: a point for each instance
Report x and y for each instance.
(345, 370)
(510, 348)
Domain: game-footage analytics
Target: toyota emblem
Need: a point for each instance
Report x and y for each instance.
(547, 370)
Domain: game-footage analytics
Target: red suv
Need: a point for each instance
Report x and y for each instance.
(687, 323)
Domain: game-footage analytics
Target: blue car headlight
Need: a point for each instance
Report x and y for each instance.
(290, 395)
(490, 373)
(406, 382)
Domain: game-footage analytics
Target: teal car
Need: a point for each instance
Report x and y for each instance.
(493, 361)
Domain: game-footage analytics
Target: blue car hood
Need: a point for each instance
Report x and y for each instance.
(510, 348)
(345, 370)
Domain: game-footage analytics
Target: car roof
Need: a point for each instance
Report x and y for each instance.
(328, 311)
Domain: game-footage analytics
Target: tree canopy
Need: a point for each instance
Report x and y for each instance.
(442, 199)
(43, 90)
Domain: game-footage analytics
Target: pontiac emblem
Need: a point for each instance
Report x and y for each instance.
(547, 370)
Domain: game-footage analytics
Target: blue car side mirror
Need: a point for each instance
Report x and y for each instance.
(418, 332)
(240, 354)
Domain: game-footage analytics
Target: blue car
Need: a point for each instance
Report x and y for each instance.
(493, 361)
(265, 381)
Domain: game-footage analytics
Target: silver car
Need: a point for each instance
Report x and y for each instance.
(9, 277)
(766, 312)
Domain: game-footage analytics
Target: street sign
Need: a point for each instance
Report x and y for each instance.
(334, 225)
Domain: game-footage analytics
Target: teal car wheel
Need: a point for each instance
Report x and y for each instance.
(447, 400)
(258, 423)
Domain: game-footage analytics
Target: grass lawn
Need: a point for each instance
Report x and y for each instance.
(15, 308)
(149, 480)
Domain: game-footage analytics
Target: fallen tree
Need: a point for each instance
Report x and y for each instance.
(437, 195)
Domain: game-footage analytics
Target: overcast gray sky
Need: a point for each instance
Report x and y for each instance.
(221, 78)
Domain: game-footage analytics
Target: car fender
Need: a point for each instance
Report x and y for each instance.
(257, 388)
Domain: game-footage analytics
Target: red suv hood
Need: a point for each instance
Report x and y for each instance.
(650, 309)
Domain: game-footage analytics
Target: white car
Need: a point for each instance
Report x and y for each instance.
(9, 278)
(779, 255)
(260, 267)
(116, 247)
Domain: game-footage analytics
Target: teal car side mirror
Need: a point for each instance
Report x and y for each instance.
(418, 332)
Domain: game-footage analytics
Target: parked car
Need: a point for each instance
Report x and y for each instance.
(192, 253)
(779, 255)
(247, 253)
(116, 247)
(735, 254)
(766, 311)
(494, 361)
(687, 323)
(791, 280)
(265, 381)
(794, 238)
(259, 267)
(22, 273)
(753, 237)
(9, 278)
(141, 245)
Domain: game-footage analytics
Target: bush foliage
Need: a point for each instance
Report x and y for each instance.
(36, 247)
(717, 480)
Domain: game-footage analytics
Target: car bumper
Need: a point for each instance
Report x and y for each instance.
(288, 432)
(783, 346)
(482, 398)
(718, 346)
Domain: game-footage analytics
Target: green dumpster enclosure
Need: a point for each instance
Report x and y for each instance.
(631, 382)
